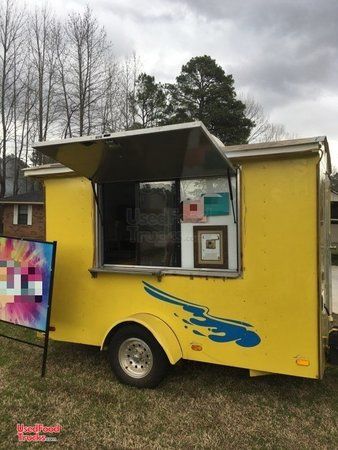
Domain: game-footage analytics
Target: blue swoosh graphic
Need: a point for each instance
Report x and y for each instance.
(217, 329)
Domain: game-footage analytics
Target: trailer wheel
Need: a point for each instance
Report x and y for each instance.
(136, 357)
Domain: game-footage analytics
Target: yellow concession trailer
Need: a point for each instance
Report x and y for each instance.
(171, 246)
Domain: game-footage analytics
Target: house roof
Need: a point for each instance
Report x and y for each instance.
(29, 198)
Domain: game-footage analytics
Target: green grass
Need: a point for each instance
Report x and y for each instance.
(197, 406)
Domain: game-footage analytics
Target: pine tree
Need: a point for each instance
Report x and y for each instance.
(204, 92)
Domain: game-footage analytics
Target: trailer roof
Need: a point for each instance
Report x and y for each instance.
(275, 144)
(290, 146)
(184, 150)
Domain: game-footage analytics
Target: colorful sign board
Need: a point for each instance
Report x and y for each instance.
(197, 210)
(26, 273)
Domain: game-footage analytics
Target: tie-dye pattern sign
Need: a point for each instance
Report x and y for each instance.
(26, 269)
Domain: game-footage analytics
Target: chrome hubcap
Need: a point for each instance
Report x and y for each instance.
(135, 358)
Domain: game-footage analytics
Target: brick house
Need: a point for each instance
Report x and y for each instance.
(24, 215)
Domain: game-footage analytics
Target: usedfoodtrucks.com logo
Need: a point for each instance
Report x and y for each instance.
(37, 432)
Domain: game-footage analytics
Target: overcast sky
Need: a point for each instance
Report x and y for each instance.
(282, 52)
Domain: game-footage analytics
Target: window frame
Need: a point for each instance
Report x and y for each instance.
(159, 271)
(16, 208)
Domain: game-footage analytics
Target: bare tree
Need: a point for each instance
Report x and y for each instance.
(128, 79)
(11, 29)
(276, 132)
(18, 88)
(43, 65)
(57, 78)
(255, 112)
(109, 112)
(66, 101)
(264, 130)
(88, 45)
(26, 126)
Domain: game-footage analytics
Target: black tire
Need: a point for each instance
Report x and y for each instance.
(130, 337)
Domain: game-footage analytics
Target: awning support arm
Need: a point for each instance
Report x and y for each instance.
(97, 201)
(231, 197)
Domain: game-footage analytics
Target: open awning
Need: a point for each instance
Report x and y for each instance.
(170, 152)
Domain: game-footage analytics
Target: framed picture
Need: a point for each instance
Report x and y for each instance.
(211, 246)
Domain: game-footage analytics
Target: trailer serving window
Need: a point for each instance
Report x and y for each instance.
(166, 199)
(163, 223)
(141, 223)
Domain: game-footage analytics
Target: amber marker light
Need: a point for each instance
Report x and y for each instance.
(196, 347)
(302, 362)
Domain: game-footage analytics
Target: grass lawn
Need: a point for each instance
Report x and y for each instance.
(197, 406)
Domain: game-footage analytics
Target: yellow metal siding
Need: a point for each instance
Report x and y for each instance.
(277, 293)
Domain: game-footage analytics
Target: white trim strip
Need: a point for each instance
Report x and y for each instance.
(159, 271)
(38, 172)
(267, 152)
(30, 215)
(15, 214)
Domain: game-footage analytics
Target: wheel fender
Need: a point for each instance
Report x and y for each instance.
(159, 329)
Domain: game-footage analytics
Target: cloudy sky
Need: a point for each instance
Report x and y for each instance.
(282, 52)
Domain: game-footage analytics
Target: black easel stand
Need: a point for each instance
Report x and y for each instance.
(44, 347)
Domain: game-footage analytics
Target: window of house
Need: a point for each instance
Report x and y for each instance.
(22, 215)
(156, 223)
(334, 212)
